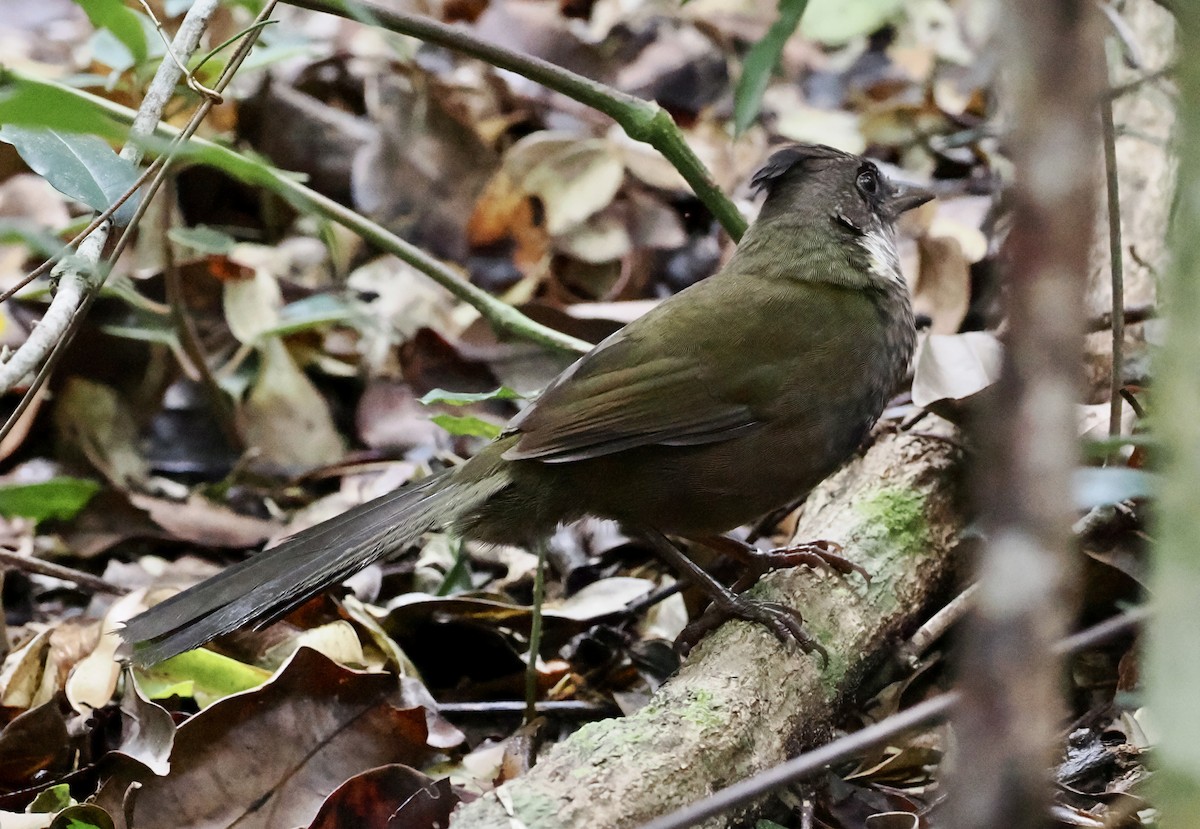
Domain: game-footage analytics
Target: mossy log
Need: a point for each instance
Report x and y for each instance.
(742, 702)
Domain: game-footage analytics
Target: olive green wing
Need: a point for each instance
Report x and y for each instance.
(629, 392)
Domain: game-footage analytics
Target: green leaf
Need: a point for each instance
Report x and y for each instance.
(761, 61)
(76, 823)
(204, 675)
(202, 238)
(39, 242)
(83, 167)
(467, 426)
(60, 498)
(836, 22)
(32, 104)
(1102, 448)
(457, 398)
(458, 577)
(52, 800)
(124, 23)
(82, 816)
(315, 311)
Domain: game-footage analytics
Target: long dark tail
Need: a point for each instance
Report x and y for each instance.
(269, 584)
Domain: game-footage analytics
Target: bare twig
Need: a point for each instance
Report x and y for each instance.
(1116, 263)
(1133, 315)
(921, 715)
(564, 709)
(954, 611)
(29, 564)
(1137, 83)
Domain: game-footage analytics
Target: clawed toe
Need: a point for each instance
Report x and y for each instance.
(819, 555)
(785, 623)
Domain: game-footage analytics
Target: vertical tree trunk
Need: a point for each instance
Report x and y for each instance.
(1009, 719)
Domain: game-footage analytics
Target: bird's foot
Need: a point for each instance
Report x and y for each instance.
(785, 623)
(819, 555)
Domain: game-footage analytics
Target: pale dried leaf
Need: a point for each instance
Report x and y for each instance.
(252, 305)
(284, 418)
(336, 640)
(604, 597)
(603, 238)
(575, 181)
(93, 680)
(955, 366)
(943, 288)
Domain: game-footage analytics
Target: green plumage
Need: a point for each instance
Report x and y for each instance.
(725, 401)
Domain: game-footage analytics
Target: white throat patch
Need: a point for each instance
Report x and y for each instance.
(882, 257)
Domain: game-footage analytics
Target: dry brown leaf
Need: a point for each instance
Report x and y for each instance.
(943, 286)
(269, 757)
(35, 742)
(201, 521)
(388, 797)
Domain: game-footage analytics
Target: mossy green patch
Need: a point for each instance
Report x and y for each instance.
(702, 710)
(895, 517)
(597, 741)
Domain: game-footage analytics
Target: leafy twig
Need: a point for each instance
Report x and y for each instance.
(642, 120)
(503, 317)
(76, 280)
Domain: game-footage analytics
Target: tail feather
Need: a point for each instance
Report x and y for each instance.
(269, 584)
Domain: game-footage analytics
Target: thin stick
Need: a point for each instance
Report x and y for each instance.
(28, 564)
(926, 713)
(1116, 264)
(535, 633)
(938, 624)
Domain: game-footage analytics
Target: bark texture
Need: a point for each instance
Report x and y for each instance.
(742, 702)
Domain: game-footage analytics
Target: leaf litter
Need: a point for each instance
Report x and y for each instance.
(327, 350)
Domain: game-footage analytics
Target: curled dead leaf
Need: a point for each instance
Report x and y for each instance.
(953, 367)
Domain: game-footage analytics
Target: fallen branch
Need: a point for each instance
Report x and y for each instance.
(741, 703)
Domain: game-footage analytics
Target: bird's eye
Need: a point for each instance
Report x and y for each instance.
(868, 182)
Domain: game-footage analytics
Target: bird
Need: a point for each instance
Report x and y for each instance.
(725, 401)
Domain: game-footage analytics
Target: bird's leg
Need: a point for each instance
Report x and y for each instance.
(535, 633)
(823, 555)
(784, 622)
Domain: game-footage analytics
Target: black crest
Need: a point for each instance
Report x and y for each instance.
(807, 156)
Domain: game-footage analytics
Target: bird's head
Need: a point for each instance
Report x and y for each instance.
(842, 197)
